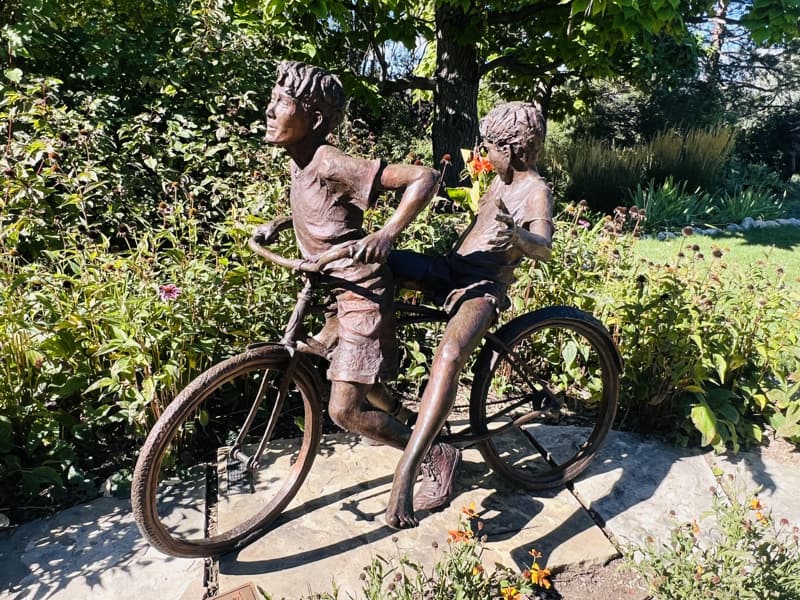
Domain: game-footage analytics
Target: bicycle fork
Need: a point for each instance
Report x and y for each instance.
(253, 461)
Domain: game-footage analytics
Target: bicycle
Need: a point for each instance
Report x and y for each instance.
(542, 400)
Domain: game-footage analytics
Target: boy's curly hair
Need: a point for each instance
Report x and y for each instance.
(518, 124)
(315, 89)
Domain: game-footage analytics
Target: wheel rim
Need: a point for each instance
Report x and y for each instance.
(563, 370)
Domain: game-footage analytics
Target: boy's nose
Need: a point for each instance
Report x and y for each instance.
(271, 110)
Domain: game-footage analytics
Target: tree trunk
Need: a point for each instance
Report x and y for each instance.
(717, 40)
(455, 99)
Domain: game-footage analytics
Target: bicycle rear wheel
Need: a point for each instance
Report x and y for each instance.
(556, 372)
(192, 495)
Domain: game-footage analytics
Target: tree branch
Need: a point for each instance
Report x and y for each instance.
(521, 14)
(392, 86)
(512, 63)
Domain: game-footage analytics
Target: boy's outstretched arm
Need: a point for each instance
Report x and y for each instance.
(419, 185)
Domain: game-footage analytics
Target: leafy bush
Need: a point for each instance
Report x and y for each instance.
(96, 343)
(669, 205)
(757, 202)
(601, 174)
(745, 555)
(707, 352)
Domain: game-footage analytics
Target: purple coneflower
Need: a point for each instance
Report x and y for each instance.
(168, 292)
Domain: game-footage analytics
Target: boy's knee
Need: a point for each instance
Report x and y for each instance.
(452, 353)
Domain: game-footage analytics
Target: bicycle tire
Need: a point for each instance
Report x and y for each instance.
(183, 429)
(562, 363)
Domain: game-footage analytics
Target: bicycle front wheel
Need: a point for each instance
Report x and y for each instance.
(555, 372)
(193, 493)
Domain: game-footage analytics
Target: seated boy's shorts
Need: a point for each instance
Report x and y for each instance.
(367, 347)
(444, 281)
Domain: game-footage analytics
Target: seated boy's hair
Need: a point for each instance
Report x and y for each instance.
(315, 88)
(518, 124)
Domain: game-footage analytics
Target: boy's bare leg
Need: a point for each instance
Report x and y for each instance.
(461, 336)
(349, 409)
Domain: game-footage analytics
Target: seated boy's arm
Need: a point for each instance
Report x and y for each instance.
(419, 186)
(535, 237)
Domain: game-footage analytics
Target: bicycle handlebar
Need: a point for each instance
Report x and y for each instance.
(345, 250)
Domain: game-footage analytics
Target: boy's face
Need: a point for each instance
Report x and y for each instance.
(500, 157)
(288, 122)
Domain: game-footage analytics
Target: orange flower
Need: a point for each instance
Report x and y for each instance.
(695, 527)
(480, 165)
(457, 535)
(477, 570)
(469, 511)
(540, 577)
(755, 504)
(761, 518)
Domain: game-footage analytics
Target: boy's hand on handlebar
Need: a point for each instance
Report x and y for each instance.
(267, 233)
(374, 248)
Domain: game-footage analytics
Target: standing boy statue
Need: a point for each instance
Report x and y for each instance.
(514, 220)
(329, 193)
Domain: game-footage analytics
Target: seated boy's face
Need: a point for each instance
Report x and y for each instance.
(288, 122)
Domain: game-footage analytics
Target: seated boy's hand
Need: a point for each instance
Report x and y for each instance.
(374, 248)
(505, 237)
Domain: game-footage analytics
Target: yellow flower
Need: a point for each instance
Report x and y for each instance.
(695, 527)
(510, 593)
(755, 504)
(540, 577)
(761, 518)
(469, 511)
(477, 570)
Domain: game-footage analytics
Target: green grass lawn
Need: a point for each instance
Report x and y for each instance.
(778, 247)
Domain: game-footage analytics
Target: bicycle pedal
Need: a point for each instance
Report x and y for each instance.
(238, 479)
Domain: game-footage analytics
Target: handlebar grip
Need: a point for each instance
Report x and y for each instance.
(296, 264)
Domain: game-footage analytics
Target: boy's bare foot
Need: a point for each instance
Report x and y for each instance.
(400, 513)
(438, 471)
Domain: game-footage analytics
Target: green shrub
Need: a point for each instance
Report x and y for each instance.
(757, 202)
(601, 174)
(708, 356)
(668, 205)
(744, 555)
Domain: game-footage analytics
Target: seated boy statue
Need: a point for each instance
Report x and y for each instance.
(514, 220)
(329, 193)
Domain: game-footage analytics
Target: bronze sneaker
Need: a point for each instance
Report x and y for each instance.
(438, 471)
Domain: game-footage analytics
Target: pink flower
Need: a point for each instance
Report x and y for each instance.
(168, 291)
(583, 223)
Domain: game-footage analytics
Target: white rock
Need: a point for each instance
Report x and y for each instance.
(794, 221)
(734, 227)
(747, 223)
(769, 224)
(661, 236)
(783, 222)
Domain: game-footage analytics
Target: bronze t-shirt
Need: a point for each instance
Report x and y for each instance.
(328, 199)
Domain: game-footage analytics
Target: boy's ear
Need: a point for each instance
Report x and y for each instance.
(316, 120)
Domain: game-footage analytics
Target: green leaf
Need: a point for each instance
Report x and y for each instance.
(14, 75)
(151, 162)
(705, 421)
(569, 353)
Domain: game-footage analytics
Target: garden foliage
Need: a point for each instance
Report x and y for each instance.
(745, 554)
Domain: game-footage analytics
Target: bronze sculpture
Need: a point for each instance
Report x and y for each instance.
(329, 193)
(514, 220)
